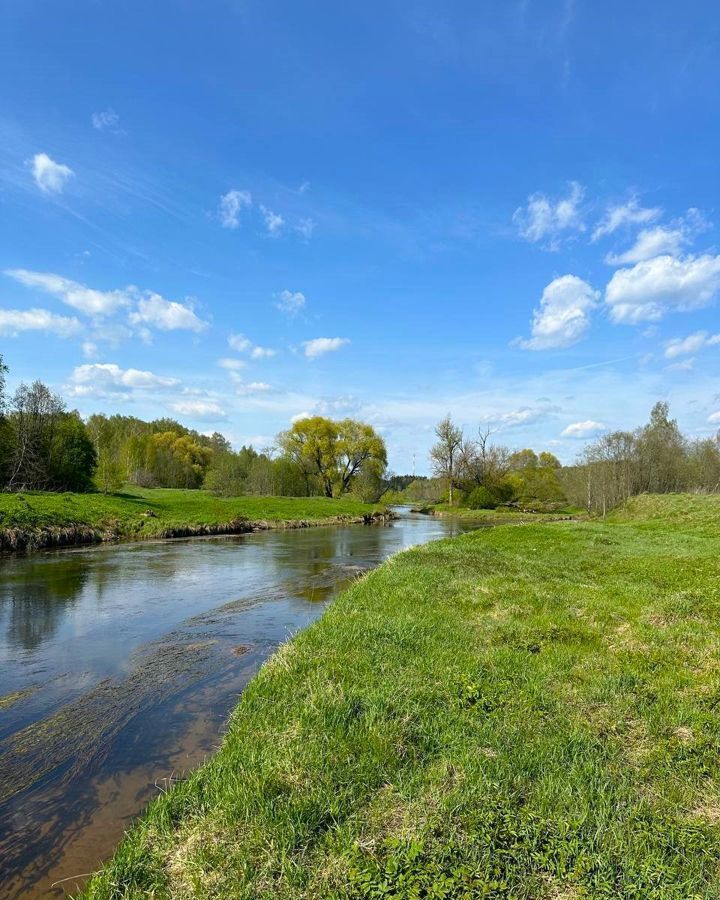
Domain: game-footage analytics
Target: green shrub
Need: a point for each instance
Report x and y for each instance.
(481, 498)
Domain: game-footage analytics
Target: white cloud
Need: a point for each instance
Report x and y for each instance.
(72, 293)
(564, 314)
(319, 346)
(232, 365)
(239, 342)
(13, 321)
(582, 429)
(714, 418)
(306, 415)
(90, 350)
(242, 344)
(687, 365)
(662, 239)
(50, 177)
(691, 344)
(650, 242)
(630, 213)
(262, 352)
(208, 410)
(107, 120)
(546, 219)
(273, 221)
(167, 315)
(103, 379)
(655, 287)
(290, 302)
(231, 206)
(253, 387)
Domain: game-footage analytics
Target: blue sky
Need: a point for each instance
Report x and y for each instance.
(236, 213)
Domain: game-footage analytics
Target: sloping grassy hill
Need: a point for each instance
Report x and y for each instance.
(143, 513)
(521, 712)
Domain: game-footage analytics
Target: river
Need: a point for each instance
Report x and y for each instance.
(119, 665)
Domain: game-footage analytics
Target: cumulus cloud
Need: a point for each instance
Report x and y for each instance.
(14, 321)
(231, 206)
(655, 287)
(582, 429)
(290, 302)
(630, 213)
(714, 418)
(72, 293)
(107, 120)
(545, 219)
(103, 379)
(274, 222)
(50, 176)
(691, 344)
(167, 315)
(564, 314)
(319, 346)
(207, 410)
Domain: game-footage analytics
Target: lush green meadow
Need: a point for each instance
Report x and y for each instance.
(502, 515)
(144, 513)
(521, 712)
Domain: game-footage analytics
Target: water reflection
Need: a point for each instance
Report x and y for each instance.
(132, 654)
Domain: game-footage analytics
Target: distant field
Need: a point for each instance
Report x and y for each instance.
(139, 512)
(516, 713)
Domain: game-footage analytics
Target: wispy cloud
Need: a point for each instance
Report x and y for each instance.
(622, 215)
(691, 344)
(242, 344)
(204, 410)
(50, 176)
(549, 220)
(107, 120)
(274, 222)
(290, 302)
(322, 345)
(72, 293)
(15, 321)
(231, 206)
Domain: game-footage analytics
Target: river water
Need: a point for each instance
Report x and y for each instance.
(119, 665)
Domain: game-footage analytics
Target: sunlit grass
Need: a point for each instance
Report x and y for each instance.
(146, 512)
(521, 712)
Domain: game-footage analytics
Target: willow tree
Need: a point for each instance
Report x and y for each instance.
(334, 452)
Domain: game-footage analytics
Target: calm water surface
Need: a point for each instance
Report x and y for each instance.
(123, 662)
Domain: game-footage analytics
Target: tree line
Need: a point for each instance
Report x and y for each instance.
(654, 458)
(482, 475)
(46, 446)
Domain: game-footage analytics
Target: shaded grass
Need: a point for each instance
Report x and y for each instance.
(516, 713)
(125, 514)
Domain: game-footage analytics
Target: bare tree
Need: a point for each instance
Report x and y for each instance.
(445, 452)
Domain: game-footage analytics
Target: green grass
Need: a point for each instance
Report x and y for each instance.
(503, 515)
(521, 712)
(126, 512)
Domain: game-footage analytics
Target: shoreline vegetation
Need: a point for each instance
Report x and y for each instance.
(515, 712)
(43, 520)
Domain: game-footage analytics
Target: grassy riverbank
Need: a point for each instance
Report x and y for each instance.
(45, 518)
(521, 712)
(502, 515)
